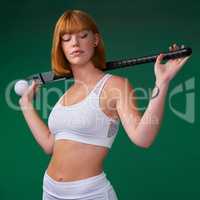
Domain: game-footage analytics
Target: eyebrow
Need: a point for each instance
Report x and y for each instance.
(87, 31)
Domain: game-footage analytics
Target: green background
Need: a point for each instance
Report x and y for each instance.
(170, 168)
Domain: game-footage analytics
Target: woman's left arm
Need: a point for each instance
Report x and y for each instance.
(149, 124)
(142, 130)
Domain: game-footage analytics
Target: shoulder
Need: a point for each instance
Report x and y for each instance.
(118, 83)
(119, 87)
(116, 80)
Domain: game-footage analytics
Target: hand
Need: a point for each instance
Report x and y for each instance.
(165, 72)
(29, 94)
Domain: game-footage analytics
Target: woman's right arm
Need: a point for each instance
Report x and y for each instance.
(38, 128)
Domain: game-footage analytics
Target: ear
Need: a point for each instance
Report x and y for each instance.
(96, 39)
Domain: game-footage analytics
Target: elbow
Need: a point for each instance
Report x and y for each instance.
(48, 146)
(143, 143)
(145, 146)
(48, 152)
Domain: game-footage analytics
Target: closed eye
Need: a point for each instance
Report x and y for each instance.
(85, 35)
(82, 36)
(66, 40)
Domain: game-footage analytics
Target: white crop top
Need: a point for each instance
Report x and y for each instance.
(84, 121)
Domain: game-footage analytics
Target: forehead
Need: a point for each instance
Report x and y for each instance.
(73, 25)
(70, 33)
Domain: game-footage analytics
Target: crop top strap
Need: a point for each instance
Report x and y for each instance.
(101, 83)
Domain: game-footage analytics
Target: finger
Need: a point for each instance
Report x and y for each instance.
(183, 61)
(37, 88)
(32, 87)
(174, 46)
(159, 58)
(177, 47)
(34, 84)
(178, 60)
(170, 48)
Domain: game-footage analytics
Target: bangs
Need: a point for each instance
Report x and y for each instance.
(73, 24)
(74, 21)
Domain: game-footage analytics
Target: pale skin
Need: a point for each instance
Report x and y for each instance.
(72, 160)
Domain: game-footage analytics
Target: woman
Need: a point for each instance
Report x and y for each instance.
(84, 122)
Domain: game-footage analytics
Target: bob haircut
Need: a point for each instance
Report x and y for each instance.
(73, 21)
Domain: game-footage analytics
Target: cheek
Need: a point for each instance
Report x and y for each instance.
(88, 46)
(64, 48)
(89, 42)
(89, 52)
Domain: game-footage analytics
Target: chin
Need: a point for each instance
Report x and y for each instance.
(79, 62)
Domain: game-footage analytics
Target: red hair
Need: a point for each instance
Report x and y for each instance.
(73, 21)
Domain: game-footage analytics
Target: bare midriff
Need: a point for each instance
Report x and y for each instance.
(72, 160)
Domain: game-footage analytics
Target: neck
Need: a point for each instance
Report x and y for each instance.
(85, 73)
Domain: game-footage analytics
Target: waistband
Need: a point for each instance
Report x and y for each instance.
(78, 188)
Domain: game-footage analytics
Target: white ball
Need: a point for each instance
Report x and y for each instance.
(21, 86)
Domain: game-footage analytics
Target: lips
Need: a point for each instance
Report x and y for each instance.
(76, 52)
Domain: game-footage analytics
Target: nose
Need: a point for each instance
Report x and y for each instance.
(75, 41)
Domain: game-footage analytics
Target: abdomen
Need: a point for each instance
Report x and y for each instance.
(73, 160)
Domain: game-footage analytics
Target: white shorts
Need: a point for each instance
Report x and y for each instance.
(92, 188)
